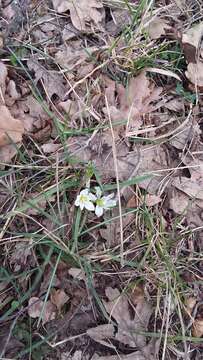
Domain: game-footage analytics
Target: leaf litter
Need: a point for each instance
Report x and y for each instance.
(82, 13)
(99, 106)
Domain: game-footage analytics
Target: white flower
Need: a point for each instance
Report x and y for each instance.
(103, 202)
(84, 200)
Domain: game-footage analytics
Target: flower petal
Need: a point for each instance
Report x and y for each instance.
(77, 201)
(109, 204)
(89, 206)
(84, 192)
(110, 196)
(98, 192)
(99, 211)
(92, 197)
(82, 205)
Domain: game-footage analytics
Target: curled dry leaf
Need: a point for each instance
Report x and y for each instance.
(71, 57)
(193, 186)
(9, 11)
(12, 93)
(74, 109)
(36, 309)
(190, 304)
(7, 153)
(192, 45)
(35, 306)
(157, 28)
(120, 19)
(178, 202)
(197, 330)
(185, 136)
(59, 298)
(191, 42)
(112, 231)
(129, 327)
(176, 104)
(82, 13)
(53, 81)
(102, 333)
(35, 202)
(20, 256)
(77, 273)
(194, 73)
(152, 200)
(133, 104)
(50, 148)
(11, 129)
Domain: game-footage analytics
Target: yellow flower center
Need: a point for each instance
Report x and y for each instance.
(83, 198)
(100, 202)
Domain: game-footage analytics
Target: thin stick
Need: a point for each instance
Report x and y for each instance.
(117, 180)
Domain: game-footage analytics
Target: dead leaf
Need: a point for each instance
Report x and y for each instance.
(194, 73)
(163, 72)
(190, 304)
(50, 148)
(7, 153)
(36, 309)
(31, 106)
(132, 202)
(53, 81)
(152, 200)
(35, 306)
(191, 41)
(197, 327)
(12, 93)
(157, 27)
(185, 136)
(197, 330)
(112, 231)
(71, 57)
(20, 255)
(11, 129)
(46, 23)
(133, 105)
(99, 150)
(120, 18)
(129, 327)
(179, 202)
(77, 273)
(59, 298)
(35, 202)
(193, 186)
(176, 104)
(56, 282)
(82, 13)
(75, 109)
(69, 33)
(9, 12)
(102, 333)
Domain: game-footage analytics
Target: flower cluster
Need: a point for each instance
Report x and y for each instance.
(97, 202)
